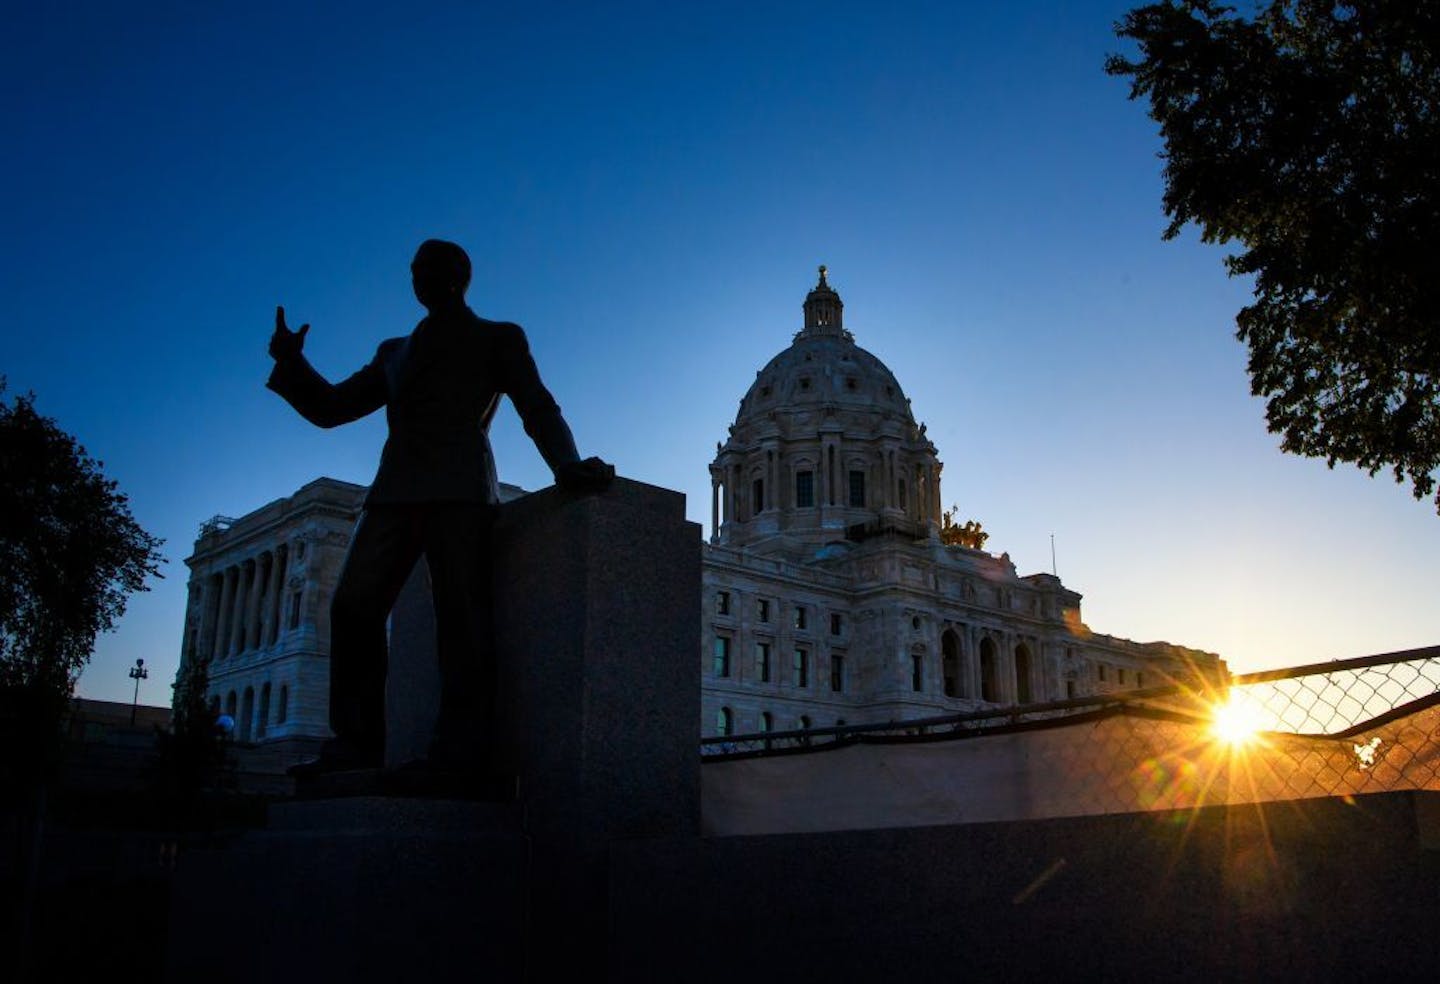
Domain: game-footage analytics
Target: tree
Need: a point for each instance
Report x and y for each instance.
(1307, 134)
(70, 554)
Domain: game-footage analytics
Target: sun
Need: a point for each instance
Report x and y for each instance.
(1235, 722)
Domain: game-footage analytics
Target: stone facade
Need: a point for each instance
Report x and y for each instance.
(259, 610)
(835, 593)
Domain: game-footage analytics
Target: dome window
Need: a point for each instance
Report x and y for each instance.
(804, 490)
(851, 383)
(857, 489)
(804, 382)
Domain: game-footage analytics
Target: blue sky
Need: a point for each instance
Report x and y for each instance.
(648, 188)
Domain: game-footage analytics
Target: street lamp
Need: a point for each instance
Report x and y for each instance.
(137, 673)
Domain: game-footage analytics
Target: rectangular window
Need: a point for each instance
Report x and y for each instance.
(903, 503)
(1100, 669)
(757, 494)
(722, 656)
(722, 603)
(1069, 688)
(801, 668)
(762, 610)
(804, 489)
(837, 672)
(917, 672)
(1120, 675)
(837, 623)
(857, 488)
(762, 662)
(799, 616)
(1139, 679)
(295, 610)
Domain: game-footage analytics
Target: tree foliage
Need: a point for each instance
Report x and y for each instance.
(1307, 135)
(70, 552)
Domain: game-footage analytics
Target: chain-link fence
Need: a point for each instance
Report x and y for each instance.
(1330, 729)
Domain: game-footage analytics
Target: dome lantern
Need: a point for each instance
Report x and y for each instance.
(824, 311)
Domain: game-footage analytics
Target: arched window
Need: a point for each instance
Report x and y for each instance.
(247, 714)
(950, 664)
(724, 721)
(1022, 674)
(230, 704)
(283, 711)
(263, 719)
(917, 672)
(989, 691)
(767, 721)
(804, 722)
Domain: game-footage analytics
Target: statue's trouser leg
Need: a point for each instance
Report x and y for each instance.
(383, 551)
(457, 549)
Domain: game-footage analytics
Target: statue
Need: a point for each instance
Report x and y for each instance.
(970, 535)
(435, 494)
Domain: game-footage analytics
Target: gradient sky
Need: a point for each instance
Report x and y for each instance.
(648, 188)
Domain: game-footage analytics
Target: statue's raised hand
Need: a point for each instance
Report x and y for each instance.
(286, 344)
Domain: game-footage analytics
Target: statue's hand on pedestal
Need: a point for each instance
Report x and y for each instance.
(286, 344)
(588, 476)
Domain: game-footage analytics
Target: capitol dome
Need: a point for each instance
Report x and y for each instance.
(824, 446)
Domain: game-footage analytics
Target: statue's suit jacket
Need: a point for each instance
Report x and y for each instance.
(439, 387)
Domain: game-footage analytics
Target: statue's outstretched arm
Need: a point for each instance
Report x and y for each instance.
(319, 401)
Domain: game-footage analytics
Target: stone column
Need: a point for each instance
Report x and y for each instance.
(267, 605)
(1012, 674)
(282, 579)
(208, 606)
(714, 508)
(774, 500)
(261, 581)
(237, 610)
(222, 617)
(935, 505)
(252, 592)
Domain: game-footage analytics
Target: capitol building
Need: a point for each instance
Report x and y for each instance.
(835, 590)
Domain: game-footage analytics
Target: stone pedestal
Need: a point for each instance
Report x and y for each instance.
(364, 888)
(598, 624)
(597, 633)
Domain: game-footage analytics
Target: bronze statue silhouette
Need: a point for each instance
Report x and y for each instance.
(435, 494)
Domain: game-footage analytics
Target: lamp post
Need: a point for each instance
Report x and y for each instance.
(137, 673)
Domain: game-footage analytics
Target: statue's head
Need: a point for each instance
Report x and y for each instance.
(440, 273)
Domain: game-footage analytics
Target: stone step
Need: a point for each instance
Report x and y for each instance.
(393, 815)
